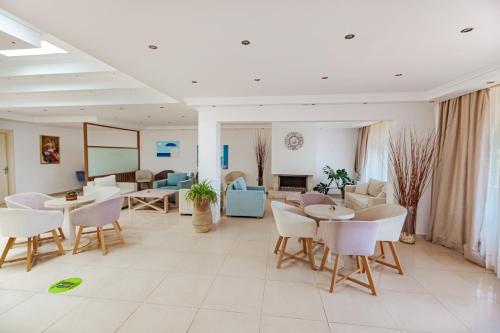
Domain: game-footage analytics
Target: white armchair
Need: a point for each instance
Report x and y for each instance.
(391, 218)
(291, 223)
(365, 195)
(110, 181)
(29, 223)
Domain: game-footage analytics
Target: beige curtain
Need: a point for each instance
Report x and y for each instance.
(459, 181)
(360, 159)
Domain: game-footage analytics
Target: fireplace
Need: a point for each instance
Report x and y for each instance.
(293, 183)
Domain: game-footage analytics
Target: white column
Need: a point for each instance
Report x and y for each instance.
(209, 155)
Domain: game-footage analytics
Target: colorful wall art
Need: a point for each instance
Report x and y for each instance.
(168, 148)
(49, 150)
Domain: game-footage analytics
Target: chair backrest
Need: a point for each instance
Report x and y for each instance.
(390, 216)
(163, 174)
(350, 237)
(290, 223)
(314, 198)
(24, 222)
(143, 176)
(98, 214)
(101, 193)
(105, 181)
(28, 200)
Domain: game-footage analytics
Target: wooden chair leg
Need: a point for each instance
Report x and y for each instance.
(61, 233)
(304, 245)
(6, 250)
(58, 242)
(118, 232)
(282, 251)
(310, 253)
(77, 240)
(103, 243)
(382, 251)
(326, 250)
(97, 231)
(334, 275)
(368, 272)
(278, 243)
(119, 226)
(396, 257)
(35, 244)
(29, 254)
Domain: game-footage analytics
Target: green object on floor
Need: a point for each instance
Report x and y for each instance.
(65, 285)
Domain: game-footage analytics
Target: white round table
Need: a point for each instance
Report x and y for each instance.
(68, 228)
(329, 212)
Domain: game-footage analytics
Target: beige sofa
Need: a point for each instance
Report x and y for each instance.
(365, 195)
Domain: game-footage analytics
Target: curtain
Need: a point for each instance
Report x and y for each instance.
(490, 235)
(459, 181)
(376, 166)
(360, 160)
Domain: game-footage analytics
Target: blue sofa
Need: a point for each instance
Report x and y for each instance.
(243, 200)
(174, 181)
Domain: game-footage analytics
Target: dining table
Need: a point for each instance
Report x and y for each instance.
(329, 212)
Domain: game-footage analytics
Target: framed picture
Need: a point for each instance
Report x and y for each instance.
(168, 148)
(49, 150)
(224, 158)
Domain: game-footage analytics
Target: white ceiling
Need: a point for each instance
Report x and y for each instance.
(293, 44)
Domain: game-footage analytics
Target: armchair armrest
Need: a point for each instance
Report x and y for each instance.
(245, 203)
(257, 188)
(373, 201)
(159, 183)
(185, 183)
(350, 188)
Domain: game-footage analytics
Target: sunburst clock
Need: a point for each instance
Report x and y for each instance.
(294, 140)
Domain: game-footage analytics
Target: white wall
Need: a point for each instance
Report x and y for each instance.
(30, 174)
(335, 147)
(293, 162)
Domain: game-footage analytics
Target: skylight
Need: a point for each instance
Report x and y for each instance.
(46, 48)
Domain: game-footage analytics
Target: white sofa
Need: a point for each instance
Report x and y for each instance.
(365, 195)
(185, 207)
(110, 181)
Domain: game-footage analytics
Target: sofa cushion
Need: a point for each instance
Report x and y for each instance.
(239, 184)
(383, 192)
(361, 200)
(105, 181)
(375, 187)
(174, 178)
(361, 188)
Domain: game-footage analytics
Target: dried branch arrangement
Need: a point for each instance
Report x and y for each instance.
(412, 160)
(261, 148)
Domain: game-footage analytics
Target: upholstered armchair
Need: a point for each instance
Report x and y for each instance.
(174, 181)
(243, 200)
(314, 198)
(365, 195)
(144, 177)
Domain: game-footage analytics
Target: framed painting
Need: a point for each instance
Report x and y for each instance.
(168, 148)
(49, 150)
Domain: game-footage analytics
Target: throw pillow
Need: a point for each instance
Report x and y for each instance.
(361, 188)
(173, 178)
(105, 181)
(239, 184)
(375, 187)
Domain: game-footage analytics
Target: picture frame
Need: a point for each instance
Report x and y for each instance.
(50, 152)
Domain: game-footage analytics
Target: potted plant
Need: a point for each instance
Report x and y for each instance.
(339, 176)
(261, 148)
(203, 196)
(412, 161)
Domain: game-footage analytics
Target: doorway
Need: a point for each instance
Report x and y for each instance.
(4, 167)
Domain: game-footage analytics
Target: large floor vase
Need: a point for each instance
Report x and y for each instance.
(202, 217)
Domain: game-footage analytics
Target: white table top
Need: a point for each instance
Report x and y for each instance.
(152, 193)
(325, 212)
(63, 203)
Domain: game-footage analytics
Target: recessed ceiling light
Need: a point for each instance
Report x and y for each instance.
(466, 30)
(82, 109)
(122, 108)
(490, 82)
(349, 36)
(183, 116)
(213, 106)
(45, 48)
(312, 104)
(9, 111)
(44, 109)
(261, 105)
(365, 102)
(398, 74)
(324, 77)
(149, 116)
(245, 42)
(153, 47)
(194, 82)
(162, 107)
(256, 80)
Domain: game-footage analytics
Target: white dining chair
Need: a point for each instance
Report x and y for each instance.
(353, 238)
(102, 193)
(391, 218)
(29, 223)
(291, 223)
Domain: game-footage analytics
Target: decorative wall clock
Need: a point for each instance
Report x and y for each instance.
(294, 140)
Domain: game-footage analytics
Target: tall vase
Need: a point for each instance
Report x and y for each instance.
(260, 177)
(202, 216)
(408, 233)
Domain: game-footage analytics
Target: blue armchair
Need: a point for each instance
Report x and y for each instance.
(174, 181)
(250, 202)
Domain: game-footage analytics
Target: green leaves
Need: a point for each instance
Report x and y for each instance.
(202, 192)
(339, 176)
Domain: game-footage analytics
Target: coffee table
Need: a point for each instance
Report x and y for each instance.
(68, 228)
(156, 196)
(329, 212)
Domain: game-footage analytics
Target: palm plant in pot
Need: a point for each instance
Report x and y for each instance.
(339, 176)
(203, 196)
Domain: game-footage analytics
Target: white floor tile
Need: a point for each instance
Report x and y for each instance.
(270, 324)
(344, 328)
(244, 266)
(210, 321)
(11, 298)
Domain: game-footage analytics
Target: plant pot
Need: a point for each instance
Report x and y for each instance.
(202, 217)
(408, 233)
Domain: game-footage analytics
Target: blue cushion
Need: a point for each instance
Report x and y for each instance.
(239, 184)
(175, 177)
(159, 183)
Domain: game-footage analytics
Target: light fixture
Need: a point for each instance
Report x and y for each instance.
(122, 108)
(256, 80)
(194, 82)
(153, 47)
(44, 110)
(466, 30)
(9, 111)
(490, 82)
(162, 107)
(398, 74)
(45, 48)
(324, 77)
(82, 109)
(349, 36)
(245, 42)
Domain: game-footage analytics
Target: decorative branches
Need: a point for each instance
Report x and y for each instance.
(261, 148)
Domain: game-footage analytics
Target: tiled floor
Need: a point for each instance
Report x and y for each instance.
(169, 279)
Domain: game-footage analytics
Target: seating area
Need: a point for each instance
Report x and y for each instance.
(249, 167)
